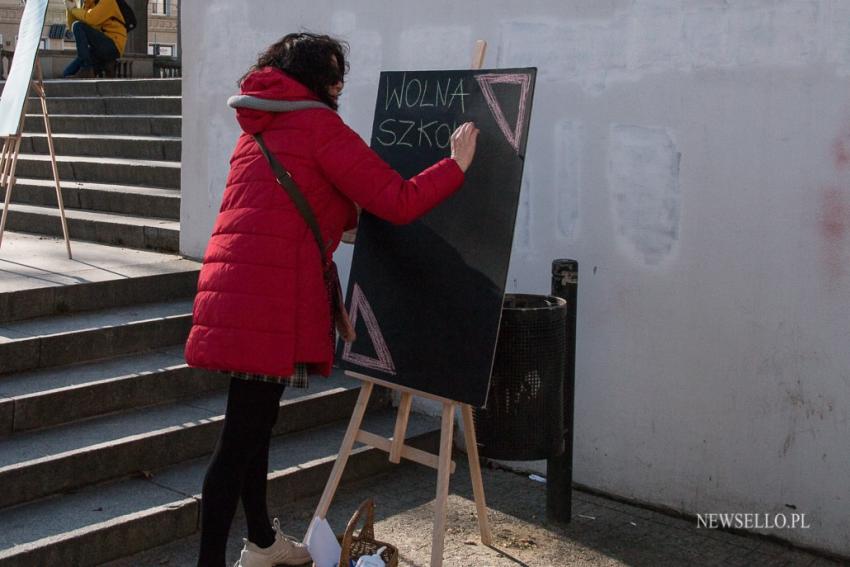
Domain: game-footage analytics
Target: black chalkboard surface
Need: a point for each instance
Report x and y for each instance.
(426, 298)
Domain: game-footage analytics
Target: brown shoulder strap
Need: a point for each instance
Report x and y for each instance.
(285, 180)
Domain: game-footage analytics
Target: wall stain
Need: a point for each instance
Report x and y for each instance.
(834, 211)
(804, 408)
(643, 177)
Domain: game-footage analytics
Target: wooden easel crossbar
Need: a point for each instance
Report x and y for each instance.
(397, 450)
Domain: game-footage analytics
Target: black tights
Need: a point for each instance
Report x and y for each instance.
(239, 467)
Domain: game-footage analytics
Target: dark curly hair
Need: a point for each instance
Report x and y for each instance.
(309, 59)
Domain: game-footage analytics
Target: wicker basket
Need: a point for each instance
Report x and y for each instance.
(364, 543)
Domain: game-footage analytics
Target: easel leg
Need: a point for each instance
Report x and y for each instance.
(443, 477)
(11, 163)
(39, 87)
(475, 473)
(400, 427)
(4, 158)
(345, 449)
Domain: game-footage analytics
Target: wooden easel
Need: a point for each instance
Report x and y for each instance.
(397, 449)
(11, 150)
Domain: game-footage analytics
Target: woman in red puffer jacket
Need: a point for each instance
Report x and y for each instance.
(261, 313)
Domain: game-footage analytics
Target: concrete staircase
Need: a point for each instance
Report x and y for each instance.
(118, 146)
(105, 433)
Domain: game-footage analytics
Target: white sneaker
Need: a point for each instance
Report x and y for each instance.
(285, 550)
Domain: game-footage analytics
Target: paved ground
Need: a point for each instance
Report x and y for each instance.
(603, 531)
(32, 261)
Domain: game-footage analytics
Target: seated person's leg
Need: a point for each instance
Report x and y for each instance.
(110, 69)
(94, 49)
(72, 68)
(82, 36)
(104, 53)
(102, 67)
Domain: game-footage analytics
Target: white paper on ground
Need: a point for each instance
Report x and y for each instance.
(322, 544)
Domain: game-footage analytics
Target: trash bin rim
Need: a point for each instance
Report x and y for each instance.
(548, 302)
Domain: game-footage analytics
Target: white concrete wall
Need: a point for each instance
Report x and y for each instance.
(694, 157)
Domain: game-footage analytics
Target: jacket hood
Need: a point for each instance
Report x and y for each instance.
(268, 91)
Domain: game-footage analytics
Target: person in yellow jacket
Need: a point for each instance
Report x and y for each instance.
(100, 34)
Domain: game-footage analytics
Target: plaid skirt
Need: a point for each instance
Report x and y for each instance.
(300, 377)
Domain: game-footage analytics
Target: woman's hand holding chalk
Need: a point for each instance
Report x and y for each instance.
(463, 144)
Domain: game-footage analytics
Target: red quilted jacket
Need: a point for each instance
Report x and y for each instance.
(262, 305)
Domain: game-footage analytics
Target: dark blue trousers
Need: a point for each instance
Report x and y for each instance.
(94, 49)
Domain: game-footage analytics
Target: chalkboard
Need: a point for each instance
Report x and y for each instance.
(426, 298)
(17, 86)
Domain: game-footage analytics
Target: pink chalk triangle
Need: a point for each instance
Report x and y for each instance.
(384, 362)
(486, 82)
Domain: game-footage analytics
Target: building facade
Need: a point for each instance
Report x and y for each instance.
(162, 27)
(162, 32)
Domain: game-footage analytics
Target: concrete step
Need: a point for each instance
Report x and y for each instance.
(108, 198)
(37, 279)
(165, 105)
(67, 339)
(56, 396)
(106, 228)
(40, 463)
(114, 520)
(163, 148)
(112, 87)
(126, 124)
(150, 173)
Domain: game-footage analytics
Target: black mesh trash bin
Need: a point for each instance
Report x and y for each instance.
(524, 417)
